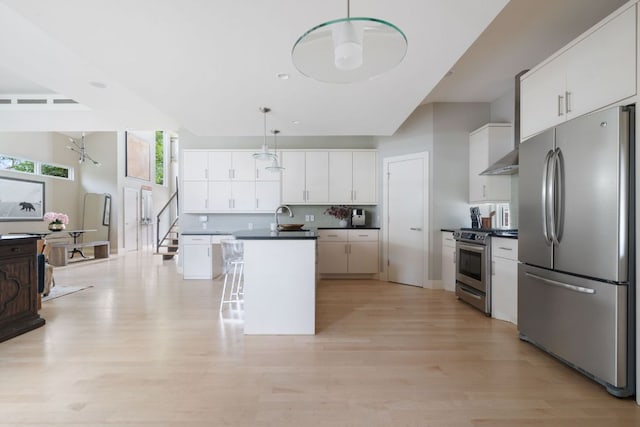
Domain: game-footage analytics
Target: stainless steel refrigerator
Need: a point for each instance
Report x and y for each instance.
(575, 245)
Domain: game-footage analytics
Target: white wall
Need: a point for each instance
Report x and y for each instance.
(443, 130)
(60, 194)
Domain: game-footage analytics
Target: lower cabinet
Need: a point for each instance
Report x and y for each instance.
(353, 251)
(448, 261)
(504, 279)
(196, 257)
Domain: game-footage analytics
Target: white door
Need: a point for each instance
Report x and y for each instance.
(406, 219)
(317, 177)
(340, 177)
(364, 177)
(130, 219)
(293, 177)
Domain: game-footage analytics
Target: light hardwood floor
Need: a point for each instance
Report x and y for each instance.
(145, 348)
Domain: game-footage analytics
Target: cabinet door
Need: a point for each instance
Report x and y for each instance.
(478, 161)
(602, 67)
(317, 177)
(340, 177)
(363, 257)
(332, 257)
(542, 97)
(195, 165)
(504, 290)
(293, 177)
(243, 196)
(267, 196)
(196, 262)
(194, 196)
(243, 166)
(220, 167)
(220, 196)
(364, 177)
(448, 262)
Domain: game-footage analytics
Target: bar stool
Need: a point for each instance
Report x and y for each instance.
(232, 264)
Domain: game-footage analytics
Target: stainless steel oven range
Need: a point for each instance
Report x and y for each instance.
(473, 268)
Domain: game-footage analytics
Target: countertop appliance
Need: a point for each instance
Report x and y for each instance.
(357, 218)
(576, 284)
(473, 268)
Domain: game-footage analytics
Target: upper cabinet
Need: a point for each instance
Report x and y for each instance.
(336, 176)
(305, 179)
(486, 145)
(227, 181)
(352, 177)
(596, 70)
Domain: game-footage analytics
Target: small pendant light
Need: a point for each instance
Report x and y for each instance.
(275, 164)
(264, 153)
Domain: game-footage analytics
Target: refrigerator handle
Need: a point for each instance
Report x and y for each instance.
(551, 197)
(567, 286)
(558, 183)
(545, 197)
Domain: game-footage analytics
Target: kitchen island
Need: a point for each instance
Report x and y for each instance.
(279, 282)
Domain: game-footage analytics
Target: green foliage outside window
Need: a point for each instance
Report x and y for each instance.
(51, 170)
(20, 165)
(159, 157)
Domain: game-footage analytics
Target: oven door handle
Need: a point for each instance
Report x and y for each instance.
(473, 248)
(472, 295)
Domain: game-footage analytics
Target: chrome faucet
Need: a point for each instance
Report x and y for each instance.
(278, 209)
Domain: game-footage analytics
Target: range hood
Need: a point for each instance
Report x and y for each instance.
(508, 164)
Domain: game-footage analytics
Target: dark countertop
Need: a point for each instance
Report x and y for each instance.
(206, 233)
(265, 234)
(348, 228)
(448, 230)
(504, 235)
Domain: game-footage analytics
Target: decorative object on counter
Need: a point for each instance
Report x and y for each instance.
(81, 149)
(475, 217)
(290, 227)
(361, 48)
(57, 221)
(340, 212)
(275, 165)
(264, 153)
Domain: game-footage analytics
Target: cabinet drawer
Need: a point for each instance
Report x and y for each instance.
(363, 235)
(18, 248)
(504, 248)
(333, 235)
(199, 239)
(448, 240)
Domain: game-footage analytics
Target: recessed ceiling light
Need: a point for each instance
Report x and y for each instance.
(99, 85)
(295, 122)
(282, 76)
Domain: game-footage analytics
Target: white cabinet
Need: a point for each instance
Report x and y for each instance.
(448, 261)
(595, 70)
(486, 146)
(352, 177)
(305, 179)
(227, 181)
(353, 251)
(504, 279)
(196, 257)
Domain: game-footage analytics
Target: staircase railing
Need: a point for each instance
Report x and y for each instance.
(166, 219)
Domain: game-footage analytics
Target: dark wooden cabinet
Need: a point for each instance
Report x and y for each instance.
(18, 286)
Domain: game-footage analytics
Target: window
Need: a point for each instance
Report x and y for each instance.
(53, 170)
(160, 157)
(15, 164)
(35, 168)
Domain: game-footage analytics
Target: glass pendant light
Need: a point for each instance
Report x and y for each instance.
(349, 49)
(264, 153)
(275, 164)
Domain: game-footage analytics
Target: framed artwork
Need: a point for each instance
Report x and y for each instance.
(21, 200)
(106, 212)
(138, 163)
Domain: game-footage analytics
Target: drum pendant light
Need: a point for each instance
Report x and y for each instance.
(264, 153)
(348, 50)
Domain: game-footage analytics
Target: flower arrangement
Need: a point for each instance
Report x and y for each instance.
(340, 212)
(56, 218)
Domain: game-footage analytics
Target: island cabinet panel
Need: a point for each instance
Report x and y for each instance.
(18, 287)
